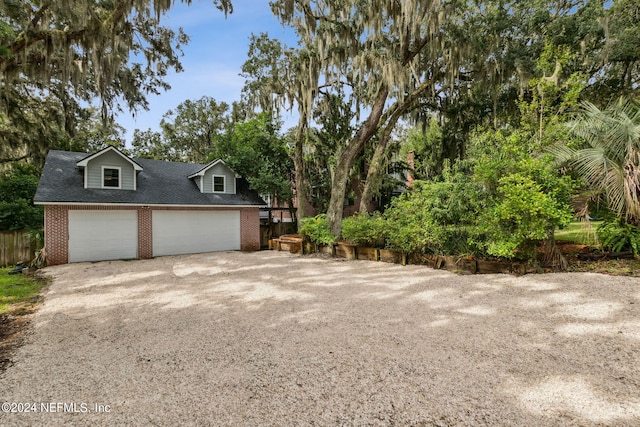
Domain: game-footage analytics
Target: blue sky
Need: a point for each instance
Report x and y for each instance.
(217, 49)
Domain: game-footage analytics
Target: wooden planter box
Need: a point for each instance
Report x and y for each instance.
(485, 266)
(423, 259)
(354, 252)
(506, 267)
(469, 265)
(294, 247)
(346, 250)
(291, 244)
(387, 255)
(326, 249)
(368, 254)
(309, 248)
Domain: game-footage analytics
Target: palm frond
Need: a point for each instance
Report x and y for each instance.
(561, 153)
(591, 164)
(610, 163)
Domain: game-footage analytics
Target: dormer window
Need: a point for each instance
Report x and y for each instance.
(111, 177)
(109, 169)
(215, 177)
(218, 183)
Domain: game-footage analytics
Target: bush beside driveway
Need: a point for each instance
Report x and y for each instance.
(268, 338)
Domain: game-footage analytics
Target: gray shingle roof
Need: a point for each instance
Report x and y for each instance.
(159, 183)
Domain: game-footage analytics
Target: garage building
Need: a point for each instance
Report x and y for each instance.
(107, 206)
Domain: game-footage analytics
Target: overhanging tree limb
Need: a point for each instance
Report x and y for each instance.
(80, 50)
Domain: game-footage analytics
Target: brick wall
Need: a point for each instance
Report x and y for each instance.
(145, 233)
(56, 232)
(57, 229)
(250, 229)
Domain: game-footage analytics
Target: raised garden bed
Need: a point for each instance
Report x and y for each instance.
(469, 265)
(287, 242)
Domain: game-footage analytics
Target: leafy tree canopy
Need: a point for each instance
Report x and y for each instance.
(58, 55)
(188, 133)
(191, 129)
(256, 151)
(17, 188)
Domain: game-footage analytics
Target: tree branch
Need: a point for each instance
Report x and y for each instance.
(13, 159)
(38, 14)
(409, 54)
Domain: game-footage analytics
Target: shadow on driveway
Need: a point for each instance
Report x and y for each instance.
(268, 338)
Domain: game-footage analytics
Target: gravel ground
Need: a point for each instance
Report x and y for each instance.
(270, 338)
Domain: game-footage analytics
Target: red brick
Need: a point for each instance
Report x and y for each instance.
(57, 228)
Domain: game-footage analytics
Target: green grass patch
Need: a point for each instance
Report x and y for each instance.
(579, 232)
(18, 289)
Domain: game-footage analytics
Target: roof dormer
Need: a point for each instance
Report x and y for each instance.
(215, 177)
(109, 169)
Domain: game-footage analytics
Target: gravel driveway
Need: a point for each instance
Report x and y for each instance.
(270, 338)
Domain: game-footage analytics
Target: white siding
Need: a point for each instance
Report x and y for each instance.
(229, 178)
(94, 171)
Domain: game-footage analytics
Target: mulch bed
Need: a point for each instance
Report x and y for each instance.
(583, 258)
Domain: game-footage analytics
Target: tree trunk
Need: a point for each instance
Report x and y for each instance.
(298, 164)
(552, 255)
(375, 174)
(346, 159)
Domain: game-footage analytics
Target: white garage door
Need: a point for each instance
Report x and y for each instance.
(102, 235)
(190, 232)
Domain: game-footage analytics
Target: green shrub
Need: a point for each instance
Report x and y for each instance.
(17, 188)
(618, 236)
(523, 215)
(365, 230)
(411, 228)
(500, 202)
(436, 217)
(528, 196)
(316, 229)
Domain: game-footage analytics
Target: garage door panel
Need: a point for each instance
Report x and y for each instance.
(102, 235)
(187, 232)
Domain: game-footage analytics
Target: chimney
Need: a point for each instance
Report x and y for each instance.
(411, 163)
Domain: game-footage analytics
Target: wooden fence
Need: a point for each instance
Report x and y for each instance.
(273, 231)
(15, 246)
